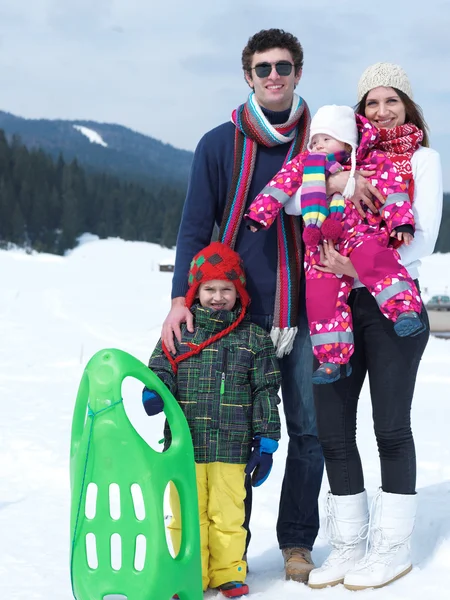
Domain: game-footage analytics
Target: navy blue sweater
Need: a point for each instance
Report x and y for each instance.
(209, 182)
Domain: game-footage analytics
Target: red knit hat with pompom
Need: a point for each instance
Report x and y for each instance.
(216, 261)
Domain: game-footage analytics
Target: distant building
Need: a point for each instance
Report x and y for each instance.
(167, 267)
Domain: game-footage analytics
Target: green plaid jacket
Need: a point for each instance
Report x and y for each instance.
(229, 391)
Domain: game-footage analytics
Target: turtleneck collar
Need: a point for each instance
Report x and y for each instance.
(276, 117)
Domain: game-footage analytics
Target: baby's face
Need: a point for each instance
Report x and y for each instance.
(322, 142)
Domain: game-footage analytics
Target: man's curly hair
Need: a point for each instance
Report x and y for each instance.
(267, 39)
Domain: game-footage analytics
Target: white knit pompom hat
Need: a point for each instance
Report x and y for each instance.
(340, 123)
(385, 75)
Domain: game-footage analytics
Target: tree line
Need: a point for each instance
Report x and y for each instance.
(46, 203)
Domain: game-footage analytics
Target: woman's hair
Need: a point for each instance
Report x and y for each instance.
(413, 111)
(267, 39)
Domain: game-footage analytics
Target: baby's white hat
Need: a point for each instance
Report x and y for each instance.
(337, 121)
(340, 123)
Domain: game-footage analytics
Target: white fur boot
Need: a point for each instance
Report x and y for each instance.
(389, 557)
(347, 520)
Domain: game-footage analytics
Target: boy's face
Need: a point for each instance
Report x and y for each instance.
(322, 142)
(217, 294)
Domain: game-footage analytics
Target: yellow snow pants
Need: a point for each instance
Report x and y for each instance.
(221, 493)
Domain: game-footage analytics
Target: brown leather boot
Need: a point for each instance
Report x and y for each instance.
(297, 564)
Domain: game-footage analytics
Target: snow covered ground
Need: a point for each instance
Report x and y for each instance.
(55, 313)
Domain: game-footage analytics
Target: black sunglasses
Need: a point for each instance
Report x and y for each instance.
(282, 67)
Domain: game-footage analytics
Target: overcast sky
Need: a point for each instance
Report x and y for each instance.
(171, 68)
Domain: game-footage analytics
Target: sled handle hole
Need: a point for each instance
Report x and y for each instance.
(91, 551)
(138, 501)
(114, 501)
(140, 553)
(116, 552)
(90, 508)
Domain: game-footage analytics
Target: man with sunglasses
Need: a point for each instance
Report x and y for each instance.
(232, 164)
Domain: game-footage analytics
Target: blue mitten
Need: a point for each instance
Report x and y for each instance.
(152, 401)
(260, 461)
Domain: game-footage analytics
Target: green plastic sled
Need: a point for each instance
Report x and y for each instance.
(106, 450)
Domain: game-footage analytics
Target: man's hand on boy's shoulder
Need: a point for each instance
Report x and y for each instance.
(178, 314)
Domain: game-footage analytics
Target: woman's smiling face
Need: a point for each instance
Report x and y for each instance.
(384, 108)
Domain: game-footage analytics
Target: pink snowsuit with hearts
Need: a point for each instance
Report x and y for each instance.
(367, 241)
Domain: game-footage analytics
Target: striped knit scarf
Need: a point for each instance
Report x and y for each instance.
(252, 129)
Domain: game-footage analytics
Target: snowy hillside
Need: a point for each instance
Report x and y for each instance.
(55, 313)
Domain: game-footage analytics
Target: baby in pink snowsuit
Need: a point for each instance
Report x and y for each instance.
(370, 241)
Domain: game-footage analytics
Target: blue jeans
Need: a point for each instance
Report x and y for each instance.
(298, 517)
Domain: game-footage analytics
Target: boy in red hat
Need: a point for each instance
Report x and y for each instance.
(225, 377)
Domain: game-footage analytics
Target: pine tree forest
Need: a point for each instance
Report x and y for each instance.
(45, 204)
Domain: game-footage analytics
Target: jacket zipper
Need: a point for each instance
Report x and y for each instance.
(225, 364)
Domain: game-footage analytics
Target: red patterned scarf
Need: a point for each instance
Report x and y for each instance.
(400, 143)
(253, 129)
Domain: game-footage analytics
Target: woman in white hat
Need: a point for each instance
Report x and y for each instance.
(374, 553)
